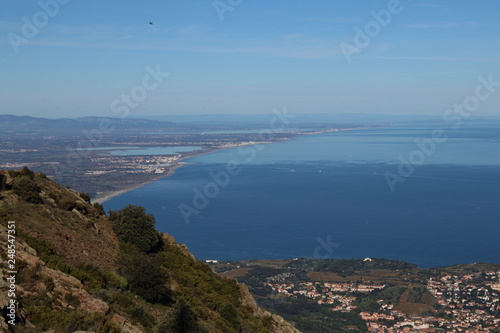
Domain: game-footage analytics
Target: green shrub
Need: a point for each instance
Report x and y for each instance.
(3, 183)
(146, 277)
(72, 300)
(103, 294)
(23, 172)
(230, 314)
(82, 208)
(49, 283)
(109, 327)
(45, 318)
(114, 280)
(85, 196)
(133, 225)
(99, 208)
(66, 203)
(137, 312)
(179, 319)
(51, 194)
(122, 300)
(26, 188)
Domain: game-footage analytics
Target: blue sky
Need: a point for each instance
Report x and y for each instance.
(262, 55)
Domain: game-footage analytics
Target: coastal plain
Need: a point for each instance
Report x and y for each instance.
(80, 154)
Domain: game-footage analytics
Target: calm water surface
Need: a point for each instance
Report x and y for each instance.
(285, 200)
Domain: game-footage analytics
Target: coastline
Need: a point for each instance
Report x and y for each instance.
(105, 196)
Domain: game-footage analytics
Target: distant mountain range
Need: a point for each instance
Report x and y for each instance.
(27, 124)
(30, 124)
(340, 118)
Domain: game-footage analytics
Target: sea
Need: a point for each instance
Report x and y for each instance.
(426, 193)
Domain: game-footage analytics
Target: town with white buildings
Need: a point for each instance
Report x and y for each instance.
(463, 304)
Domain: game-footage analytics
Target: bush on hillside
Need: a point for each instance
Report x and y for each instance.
(132, 225)
(99, 208)
(66, 203)
(85, 196)
(26, 188)
(3, 183)
(230, 314)
(23, 172)
(146, 277)
(179, 319)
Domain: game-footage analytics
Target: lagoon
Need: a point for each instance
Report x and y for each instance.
(140, 151)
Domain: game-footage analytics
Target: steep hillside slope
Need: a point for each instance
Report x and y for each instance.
(80, 270)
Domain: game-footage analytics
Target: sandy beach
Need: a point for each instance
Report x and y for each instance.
(105, 196)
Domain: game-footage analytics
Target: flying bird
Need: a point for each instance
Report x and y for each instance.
(151, 23)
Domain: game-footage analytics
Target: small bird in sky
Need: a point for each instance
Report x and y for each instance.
(151, 23)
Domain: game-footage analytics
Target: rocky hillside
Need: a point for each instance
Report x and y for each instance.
(81, 270)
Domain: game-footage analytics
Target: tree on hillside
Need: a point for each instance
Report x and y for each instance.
(230, 314)
(85, 196)
(179, 319)
(133, 225)
(3, 183)
(25, 187)
(23, 172)
(146, 276)
(99, 208)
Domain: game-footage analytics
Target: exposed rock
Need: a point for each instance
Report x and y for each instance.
(80, 215)
(92, 304)
(60, 279)
(280, 325)
(29, 249)
(31, 260)
(3, 282)
(125, 326)
(96, 228)
(168, 238)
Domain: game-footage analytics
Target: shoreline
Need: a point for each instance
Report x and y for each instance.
(105, 196)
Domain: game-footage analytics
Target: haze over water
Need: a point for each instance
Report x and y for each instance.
(291, 198)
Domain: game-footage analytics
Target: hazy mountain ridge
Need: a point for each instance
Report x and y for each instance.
(10, 123)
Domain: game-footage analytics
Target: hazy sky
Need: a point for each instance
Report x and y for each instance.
(82, 57)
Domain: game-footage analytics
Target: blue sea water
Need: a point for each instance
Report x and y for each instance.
(328, 196)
